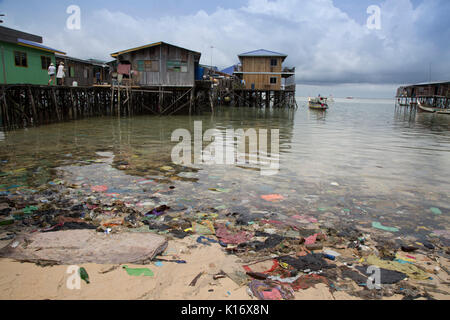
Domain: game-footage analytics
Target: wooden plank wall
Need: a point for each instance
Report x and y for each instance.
(439, 89)
(261, 64)
(79, 69)
(159, 75)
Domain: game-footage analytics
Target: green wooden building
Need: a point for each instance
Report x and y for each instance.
(23, 58)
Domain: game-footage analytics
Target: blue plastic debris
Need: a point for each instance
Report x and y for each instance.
(205, 240)
(329, 257)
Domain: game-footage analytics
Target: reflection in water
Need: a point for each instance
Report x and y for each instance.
(360, 160)
(434, 122)
(318, 115)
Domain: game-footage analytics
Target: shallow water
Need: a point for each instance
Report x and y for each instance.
(361, 161)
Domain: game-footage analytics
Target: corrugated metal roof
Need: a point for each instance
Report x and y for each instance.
(115, 54)
(60, 56)
(36, 45)
(262, 53)
(96, 62)
(229, 70)
(431, 83)
(11, 35)
(93, 62)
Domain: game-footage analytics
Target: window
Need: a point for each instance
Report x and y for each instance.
(148, 65)
(273, 62)
(144, 66)
(71, 72)
(140, 66)
(177, 66)
(273, 80)
(20, 59)
(45, 62)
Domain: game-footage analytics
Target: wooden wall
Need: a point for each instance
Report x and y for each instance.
(437, 89)
(83, 73)
(153, 71)
(261, 64)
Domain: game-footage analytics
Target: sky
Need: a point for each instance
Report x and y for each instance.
(328, 41)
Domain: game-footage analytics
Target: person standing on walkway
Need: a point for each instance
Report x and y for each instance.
(61, 74)
(52, 73)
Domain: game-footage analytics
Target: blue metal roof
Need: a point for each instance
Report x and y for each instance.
(229, 70)
(37, 45)
(262, 53)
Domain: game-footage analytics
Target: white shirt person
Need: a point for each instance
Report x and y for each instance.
(61, 74)
(51, 73)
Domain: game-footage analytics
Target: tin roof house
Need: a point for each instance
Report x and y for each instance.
(23, 58)
(158, 64)
(263, 70)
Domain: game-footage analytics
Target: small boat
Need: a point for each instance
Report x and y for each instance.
(319, 103)
(429, 109)
(349, 98)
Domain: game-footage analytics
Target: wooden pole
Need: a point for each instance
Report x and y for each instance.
(177, 100)
(74, 111)
(118, 101)
(112, 99)
(6, 111)
(55, 102)
(33, 106)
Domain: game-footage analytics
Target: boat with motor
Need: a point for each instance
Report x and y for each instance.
(319, 103)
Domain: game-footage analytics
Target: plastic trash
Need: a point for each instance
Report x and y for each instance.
(137, 272)
(436, 211)
(220, 190)
(29, 209)
(409, 248)
(331, 253)
(206, 241)
(378, 225)
(272, 197)
(204, 228)
(6, 222)
(329, 257)
(158, 211)
(269, 290)
(99, 189)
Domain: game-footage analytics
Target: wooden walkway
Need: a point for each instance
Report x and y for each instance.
(33, 105)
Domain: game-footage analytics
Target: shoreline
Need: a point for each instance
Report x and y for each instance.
(28, 281)
(319, 254)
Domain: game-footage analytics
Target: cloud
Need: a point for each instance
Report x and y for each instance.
(323, 42)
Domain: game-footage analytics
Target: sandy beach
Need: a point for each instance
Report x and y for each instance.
(27, 281)
(171, 281)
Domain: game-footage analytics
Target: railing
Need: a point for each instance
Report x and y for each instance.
(289, 70)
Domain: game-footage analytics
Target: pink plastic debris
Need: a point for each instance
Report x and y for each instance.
(99, 189)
